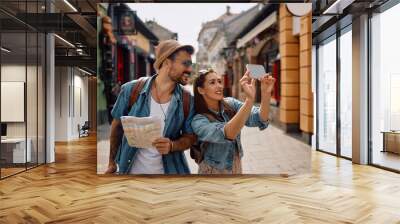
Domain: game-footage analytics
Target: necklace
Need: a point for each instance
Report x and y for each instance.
(159, 102)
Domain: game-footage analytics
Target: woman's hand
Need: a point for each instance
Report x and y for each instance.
(249, 86)
(267, 85)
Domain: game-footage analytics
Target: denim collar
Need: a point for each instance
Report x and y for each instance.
(221, 109)
(147, 88)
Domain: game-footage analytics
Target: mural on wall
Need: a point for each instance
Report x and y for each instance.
(247, 151)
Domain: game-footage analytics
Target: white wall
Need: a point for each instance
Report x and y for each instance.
(61, 103)
(70, 83)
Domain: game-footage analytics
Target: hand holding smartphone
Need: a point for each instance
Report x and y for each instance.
(256, 71)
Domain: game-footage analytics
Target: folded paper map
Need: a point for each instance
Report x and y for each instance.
(141, 131)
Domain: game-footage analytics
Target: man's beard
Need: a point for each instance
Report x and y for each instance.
(184, 79)
(179, 80)
(175, 79)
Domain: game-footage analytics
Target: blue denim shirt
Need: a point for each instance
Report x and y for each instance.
(175, 125)
(220, 150)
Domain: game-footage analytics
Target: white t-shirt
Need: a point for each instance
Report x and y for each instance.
(149, 161)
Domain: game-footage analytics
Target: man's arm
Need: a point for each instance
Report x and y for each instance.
(115, 142)
(184, 142)
(166, 145)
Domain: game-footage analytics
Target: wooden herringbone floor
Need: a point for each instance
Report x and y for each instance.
(69, 191)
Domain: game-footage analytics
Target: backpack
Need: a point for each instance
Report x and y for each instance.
(198, 149)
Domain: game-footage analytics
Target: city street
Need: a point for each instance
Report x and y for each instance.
(270, 152)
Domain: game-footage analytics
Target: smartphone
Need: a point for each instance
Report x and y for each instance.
(256, 71)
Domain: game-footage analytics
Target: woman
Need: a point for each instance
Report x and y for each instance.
(218, 120)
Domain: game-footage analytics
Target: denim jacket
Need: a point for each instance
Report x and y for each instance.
(220, 150)
(175, 125)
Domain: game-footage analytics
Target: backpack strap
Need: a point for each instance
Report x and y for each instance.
(135, 92)
(228, 109)
(186, 102)
(210, 117)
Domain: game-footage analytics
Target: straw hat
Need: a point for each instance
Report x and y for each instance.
(167, 48)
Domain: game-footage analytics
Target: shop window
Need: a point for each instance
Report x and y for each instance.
(385, 89)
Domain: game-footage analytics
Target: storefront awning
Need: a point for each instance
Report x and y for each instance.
(267, 22)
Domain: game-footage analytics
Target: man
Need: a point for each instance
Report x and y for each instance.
(161, 95)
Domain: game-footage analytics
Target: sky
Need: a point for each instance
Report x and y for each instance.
(185, 18)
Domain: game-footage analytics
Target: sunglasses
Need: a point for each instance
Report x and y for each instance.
(205, 71)
(187, 63)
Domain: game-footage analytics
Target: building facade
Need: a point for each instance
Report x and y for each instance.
(210, 40)
(130, 56)
(161, 32)
(269, 39)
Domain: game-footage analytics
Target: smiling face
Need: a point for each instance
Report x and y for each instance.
(212, 89)
(180, 66)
